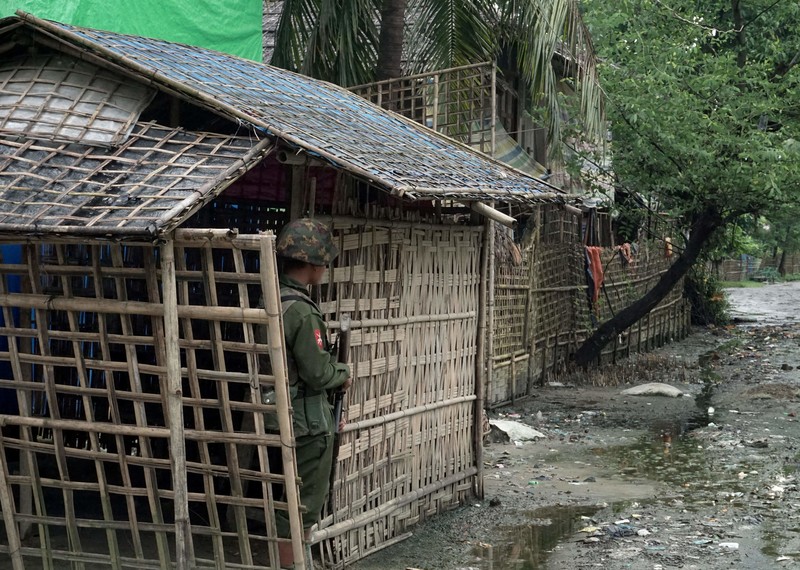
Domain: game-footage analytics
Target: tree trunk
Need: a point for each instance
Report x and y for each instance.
(701, 231)
(390, 49)
(782, 264)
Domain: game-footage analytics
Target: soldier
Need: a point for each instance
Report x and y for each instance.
(305, 248)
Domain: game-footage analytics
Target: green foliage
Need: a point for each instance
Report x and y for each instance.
(705, 294)
(704, 102)
(767, 275)
(338, 41)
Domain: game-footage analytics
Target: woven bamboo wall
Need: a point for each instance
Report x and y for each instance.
(542, 312)
(407, 450)
(88, 463)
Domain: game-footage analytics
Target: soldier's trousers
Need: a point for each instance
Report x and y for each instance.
(314, 462)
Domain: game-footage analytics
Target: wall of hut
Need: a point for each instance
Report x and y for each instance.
(89, 464)
(542, 311)
(137, 438)
(409, 277)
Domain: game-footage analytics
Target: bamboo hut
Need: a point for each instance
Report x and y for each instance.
(141, 183)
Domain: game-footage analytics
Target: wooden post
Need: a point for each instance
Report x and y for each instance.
(490, 300)
(7, 506)
(312, 196)
(297, 198)
(494, 110)
(184, 552)
(481, 360)
(270, 289)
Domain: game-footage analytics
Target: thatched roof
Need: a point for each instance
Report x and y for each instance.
(318, 118)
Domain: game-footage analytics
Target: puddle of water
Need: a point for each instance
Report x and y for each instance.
(529, 544)
(681, 463)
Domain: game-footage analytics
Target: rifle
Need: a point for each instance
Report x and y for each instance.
(342, 355)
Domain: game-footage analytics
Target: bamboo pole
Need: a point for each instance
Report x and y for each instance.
(482, 362)
(493, 214)
(238, 314)
(421, 75)
(490, 308)
(8, 508)
(493, 103)
(277, 353)
(184, 551)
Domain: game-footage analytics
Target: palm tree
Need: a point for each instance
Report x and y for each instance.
(351, 42)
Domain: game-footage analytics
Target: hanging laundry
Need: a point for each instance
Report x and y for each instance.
(594, 269)
(625, 254)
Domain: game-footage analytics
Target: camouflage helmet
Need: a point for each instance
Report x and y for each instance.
(307, 240)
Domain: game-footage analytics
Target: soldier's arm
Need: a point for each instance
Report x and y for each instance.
(316, 366)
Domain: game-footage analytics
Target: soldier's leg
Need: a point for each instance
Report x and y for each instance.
(314, 461)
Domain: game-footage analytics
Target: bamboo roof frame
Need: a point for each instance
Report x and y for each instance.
(394, 153)
(145, 187)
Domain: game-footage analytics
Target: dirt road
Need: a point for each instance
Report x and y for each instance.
(707, 480)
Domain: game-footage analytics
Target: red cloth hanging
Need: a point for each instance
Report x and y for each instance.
(596, 267)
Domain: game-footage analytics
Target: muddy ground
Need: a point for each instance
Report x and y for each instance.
(708, 480)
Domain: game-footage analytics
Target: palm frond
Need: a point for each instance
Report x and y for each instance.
(334, 40)
(544, 32)
(297, 23)
(450, 33)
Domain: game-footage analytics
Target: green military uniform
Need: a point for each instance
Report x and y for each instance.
(313, 371)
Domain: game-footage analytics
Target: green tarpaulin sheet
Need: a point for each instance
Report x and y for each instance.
(230, 26)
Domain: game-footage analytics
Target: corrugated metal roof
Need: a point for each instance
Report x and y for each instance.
(144, 187)
(391, 151)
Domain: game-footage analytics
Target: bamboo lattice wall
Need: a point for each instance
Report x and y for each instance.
(457, 102)
(407, 451)
(542, 312)
(99, 470)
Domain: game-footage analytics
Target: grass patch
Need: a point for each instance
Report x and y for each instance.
(740, 284)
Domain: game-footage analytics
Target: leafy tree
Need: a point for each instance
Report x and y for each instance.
(704, 108)
(351, 42)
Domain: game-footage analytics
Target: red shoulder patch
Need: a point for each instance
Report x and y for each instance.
(318, 336)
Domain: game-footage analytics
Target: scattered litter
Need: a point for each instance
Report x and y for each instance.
(620, 530)
(589, 529)
(643, 532)
(653, 389)
(729, 545)
(517, 431)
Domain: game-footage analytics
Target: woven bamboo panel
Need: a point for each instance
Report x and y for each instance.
(543, 313)
(87, 470)
(407, 451)
(57, 97)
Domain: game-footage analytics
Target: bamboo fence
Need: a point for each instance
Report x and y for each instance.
(139, 440)
(542, 312)
(408, 450)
